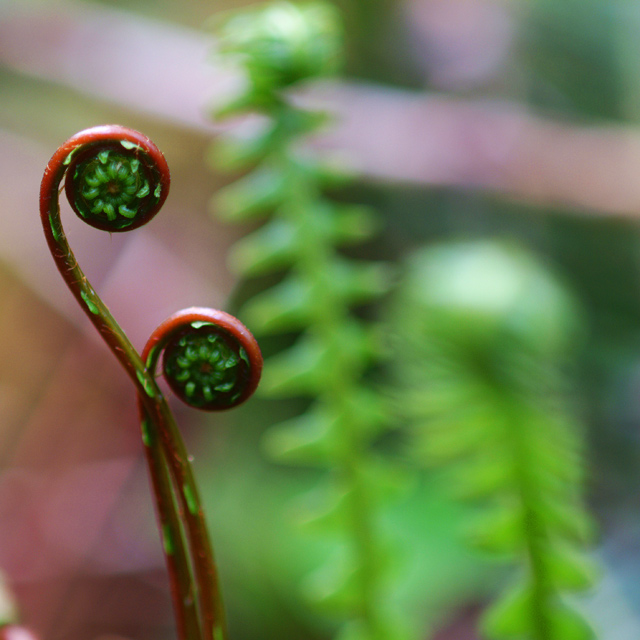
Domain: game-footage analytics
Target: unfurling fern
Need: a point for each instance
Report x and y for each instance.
(116, 180)
(279, 46)
(484, 335)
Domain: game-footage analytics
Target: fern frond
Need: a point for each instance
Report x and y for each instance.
(485, 332)
(280, 46)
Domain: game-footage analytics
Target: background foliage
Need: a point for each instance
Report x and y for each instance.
(99, 569)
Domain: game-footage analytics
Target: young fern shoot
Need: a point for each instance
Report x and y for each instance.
(279, 47)
(117, 180)
(486, 333)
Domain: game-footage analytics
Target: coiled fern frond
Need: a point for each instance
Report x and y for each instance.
(116, 180)
(484, 336)
(280, 46)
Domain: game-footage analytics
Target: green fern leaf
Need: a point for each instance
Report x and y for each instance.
(251, 197)
(488, 331)
(270, 248)
(241, 152)
(278, 47)
(303, 440)
(295, 371)
(285, 307)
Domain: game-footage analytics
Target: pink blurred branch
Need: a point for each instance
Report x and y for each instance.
(395, 135)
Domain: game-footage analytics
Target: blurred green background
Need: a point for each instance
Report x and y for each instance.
(468, 119)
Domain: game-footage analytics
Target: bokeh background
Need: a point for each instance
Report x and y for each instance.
(466, 119)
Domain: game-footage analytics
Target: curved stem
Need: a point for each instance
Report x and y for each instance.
(174, 452)
(176, 553)
(150, 396)
(66, 262)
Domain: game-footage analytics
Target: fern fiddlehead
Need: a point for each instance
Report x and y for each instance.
(486, 331)
(211, 361)
(117, 180)
(280, 46)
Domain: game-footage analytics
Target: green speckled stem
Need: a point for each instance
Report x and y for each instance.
(172, 533)
(168, 452)
(192, 513)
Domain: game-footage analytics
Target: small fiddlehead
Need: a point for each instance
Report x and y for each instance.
(117, 180)
(210, 361)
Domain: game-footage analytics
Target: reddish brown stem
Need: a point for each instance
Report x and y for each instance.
(69, 269)
(173, 448)
(139, 147)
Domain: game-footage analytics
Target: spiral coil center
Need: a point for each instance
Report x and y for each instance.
(112, 188)
(206, 367)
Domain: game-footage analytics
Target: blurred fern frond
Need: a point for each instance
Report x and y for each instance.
(485, 333)
(279, 46)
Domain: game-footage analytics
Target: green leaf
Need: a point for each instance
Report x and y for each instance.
(353, 224)
(245, 102)
(484, 331)
(394, 627)
(335, 585)
(445, 438)
(351, 350)
(299, 123)
(353, 630)
(282, 43)
(284, 307)
(333, 172)
(567, 569)
(371, 411)
(444, 396)
(569, 520)
(498, 529)
(305, 439)
(358, 282)
(483, 477)
(324, 509)
(514, 618)
(568, 624)
(509, 617)
(270, 248)
(296, 370)
(234, 153)
(251, 197)
(385, 480)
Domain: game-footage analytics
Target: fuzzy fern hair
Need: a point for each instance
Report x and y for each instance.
(485, 332)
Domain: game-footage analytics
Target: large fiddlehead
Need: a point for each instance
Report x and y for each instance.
(117, 180)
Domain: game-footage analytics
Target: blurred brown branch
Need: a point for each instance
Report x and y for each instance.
(394, 135)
